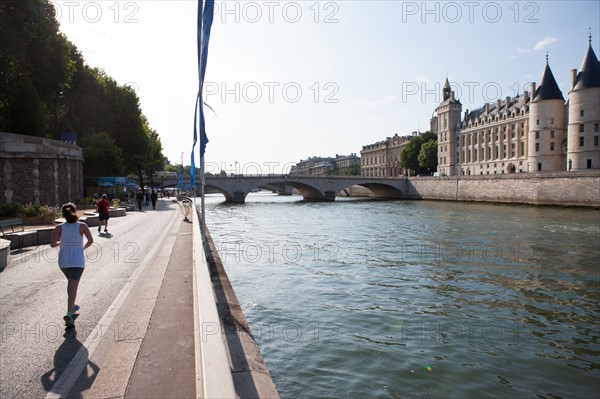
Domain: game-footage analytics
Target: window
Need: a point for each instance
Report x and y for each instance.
(589, 164)
(522, 148)
(595, 127)
(540, 166)
(596, 141)
(537, 135)
(552, 121)
(581, 113)
(537, 122)
(551, 134)
(537, 147)
(581, 128)
(581, 141)
(552, 146)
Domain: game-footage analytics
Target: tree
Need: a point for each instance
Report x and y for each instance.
(409, 157)
(46, 88)
(154, 157)
(428, 158)
(102, 156)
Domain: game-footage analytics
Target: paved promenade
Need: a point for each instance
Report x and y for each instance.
(135, 333)
(157, 319)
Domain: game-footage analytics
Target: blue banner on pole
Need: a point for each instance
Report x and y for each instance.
(205, 20)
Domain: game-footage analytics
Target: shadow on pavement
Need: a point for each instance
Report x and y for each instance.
(66, 353)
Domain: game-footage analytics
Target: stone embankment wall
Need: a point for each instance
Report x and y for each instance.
(39, 170)
(581, 188)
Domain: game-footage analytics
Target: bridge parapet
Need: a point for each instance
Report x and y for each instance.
(235, 188)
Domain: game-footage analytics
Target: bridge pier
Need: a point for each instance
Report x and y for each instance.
(312, 188)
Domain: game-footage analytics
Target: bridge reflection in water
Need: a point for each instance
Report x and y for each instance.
(236, 188)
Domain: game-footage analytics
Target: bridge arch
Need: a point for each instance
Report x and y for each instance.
(381, 190)
(236, 188)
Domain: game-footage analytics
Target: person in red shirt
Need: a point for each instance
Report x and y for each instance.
(102, 209)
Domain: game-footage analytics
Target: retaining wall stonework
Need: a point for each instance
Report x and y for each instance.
(39, 171)
(555, 188)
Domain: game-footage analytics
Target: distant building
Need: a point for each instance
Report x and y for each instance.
(535, 131)
(382, 159)
(322, 166)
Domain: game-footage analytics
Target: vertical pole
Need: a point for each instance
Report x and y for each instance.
(202, 204)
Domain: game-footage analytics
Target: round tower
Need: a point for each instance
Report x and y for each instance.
(583, 151)
(546, 125)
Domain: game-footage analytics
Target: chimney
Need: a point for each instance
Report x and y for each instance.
(573, 78)
(487, 108)
(452, 95)
(498, 102)
(507, 102)
(532, 90)
(525, 96)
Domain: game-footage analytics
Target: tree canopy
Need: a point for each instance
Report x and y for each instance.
(47, 88)
(420, 153)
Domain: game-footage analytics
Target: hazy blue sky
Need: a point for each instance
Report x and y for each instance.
(289, 80)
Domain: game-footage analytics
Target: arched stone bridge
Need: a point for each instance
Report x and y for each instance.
(236, 188)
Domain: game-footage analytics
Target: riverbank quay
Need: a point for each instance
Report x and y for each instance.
(567, 189)
(138, 332)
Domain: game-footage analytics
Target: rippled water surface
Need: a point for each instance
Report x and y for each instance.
(369, 299)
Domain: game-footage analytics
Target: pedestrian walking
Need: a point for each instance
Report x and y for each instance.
(147, 196)
(69, 237)
(140, 198)
(103, 214)
(153, 198)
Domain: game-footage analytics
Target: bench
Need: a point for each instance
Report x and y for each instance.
(14, 228)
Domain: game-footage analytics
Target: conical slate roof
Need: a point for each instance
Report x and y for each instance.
(548, 88)
(589, 71)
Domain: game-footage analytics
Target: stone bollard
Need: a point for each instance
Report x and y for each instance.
(4, 251)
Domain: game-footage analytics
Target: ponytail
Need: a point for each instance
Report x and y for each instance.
(69, 212)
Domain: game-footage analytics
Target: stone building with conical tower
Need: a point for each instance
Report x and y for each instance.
(584, 114)
(535, 131)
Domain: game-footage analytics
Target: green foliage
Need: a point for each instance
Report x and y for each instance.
(46, 88)
(102, 156)
(428, 158)
(34, 210)
(10, 210)
(409, 157)
(353, 170)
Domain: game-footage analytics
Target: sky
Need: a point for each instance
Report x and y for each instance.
(288, 80)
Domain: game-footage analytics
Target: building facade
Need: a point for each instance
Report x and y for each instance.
(382, 159)
(535, 131)
(324, 166)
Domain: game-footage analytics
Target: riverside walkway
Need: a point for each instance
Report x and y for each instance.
(148, 325)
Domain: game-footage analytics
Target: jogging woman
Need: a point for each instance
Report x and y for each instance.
(69, 236)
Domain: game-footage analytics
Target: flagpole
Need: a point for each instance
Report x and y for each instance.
(202, 204)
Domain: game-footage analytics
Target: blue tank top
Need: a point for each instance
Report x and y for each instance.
(70, 253)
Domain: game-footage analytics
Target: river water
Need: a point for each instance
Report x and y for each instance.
(416, 299)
